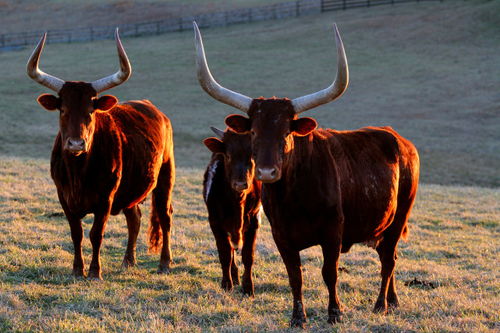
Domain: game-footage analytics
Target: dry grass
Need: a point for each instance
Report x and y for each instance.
(453, 245)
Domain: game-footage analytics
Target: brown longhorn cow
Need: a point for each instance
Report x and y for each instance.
(325, 187)
(232, 196)
(107, 158)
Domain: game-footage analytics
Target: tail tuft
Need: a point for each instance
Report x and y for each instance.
(154, 231)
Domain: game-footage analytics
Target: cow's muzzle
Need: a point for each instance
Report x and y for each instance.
(76, 146)
(268, 175)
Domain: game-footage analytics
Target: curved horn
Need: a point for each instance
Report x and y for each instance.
(217, 132)
(119, 77)
(208, 83)
(36, 74)
(335, 90)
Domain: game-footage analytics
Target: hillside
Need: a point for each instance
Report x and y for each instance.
(39, 15)
(430, 70)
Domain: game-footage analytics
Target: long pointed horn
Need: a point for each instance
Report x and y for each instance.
(335, 90)
(208, 83)
(36, 74)
(217, 132)
(119, 77)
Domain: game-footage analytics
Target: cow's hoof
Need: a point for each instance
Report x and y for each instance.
(335, 317)
(226, 285)
(78, 273)
(298, 322)
(128, 263)
(95, 276)
(392, 303)
(163, 269)
(380, 307)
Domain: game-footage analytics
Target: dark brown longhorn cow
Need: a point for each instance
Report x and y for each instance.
(107, 158)
(325, 187)
(232, 196)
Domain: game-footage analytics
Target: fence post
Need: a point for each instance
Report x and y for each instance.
(297, 8)
(91, 34)
(344, 4)
(367, 3)
(3, 40)
(157, 27)
(275, 14)
(225, 17)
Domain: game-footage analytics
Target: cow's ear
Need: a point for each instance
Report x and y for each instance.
(303, 126)
(214, 145)
(105, 103)
(238, 123)
(49, 102)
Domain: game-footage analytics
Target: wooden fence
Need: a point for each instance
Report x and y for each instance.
(282, 10)
(330, 5)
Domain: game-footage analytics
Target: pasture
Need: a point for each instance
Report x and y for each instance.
(430, 70)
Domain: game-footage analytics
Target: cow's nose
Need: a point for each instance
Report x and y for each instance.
(76, 145)
(267, 174)
(240, 185)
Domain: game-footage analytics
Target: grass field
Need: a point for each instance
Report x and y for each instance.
(453, 250)
(430, 70)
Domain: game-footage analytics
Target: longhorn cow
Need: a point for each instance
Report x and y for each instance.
(322, 186)
(107, 158)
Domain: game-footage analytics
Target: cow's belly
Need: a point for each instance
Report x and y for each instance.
(136, 183)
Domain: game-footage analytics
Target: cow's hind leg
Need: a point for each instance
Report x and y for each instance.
(161, 215)
(247, 254)
(133, 216)
(387, 253)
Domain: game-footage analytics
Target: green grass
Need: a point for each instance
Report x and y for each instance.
(453, 244)
(430, 70)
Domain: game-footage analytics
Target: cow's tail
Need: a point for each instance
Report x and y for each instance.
(155, 234)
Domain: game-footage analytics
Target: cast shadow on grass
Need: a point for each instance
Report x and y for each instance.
(47, 275)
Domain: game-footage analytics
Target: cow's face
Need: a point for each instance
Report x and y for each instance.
(271, 124)
(77, 104)
(238, 164)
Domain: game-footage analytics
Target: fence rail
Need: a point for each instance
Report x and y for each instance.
(223, 18)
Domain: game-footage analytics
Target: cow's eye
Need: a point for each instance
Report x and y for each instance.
(252, 132)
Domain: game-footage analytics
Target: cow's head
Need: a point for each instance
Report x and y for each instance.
(271, 122)
(77, 102)
(237, 153)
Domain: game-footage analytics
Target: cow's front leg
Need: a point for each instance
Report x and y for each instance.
(96, 235)
(75, 224)
(77, 237)
(248, 255)
(331, 254)
(225, 257)
(291, 258)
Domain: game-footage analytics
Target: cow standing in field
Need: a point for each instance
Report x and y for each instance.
(107, 158)
(232, 196)
(325, 187)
